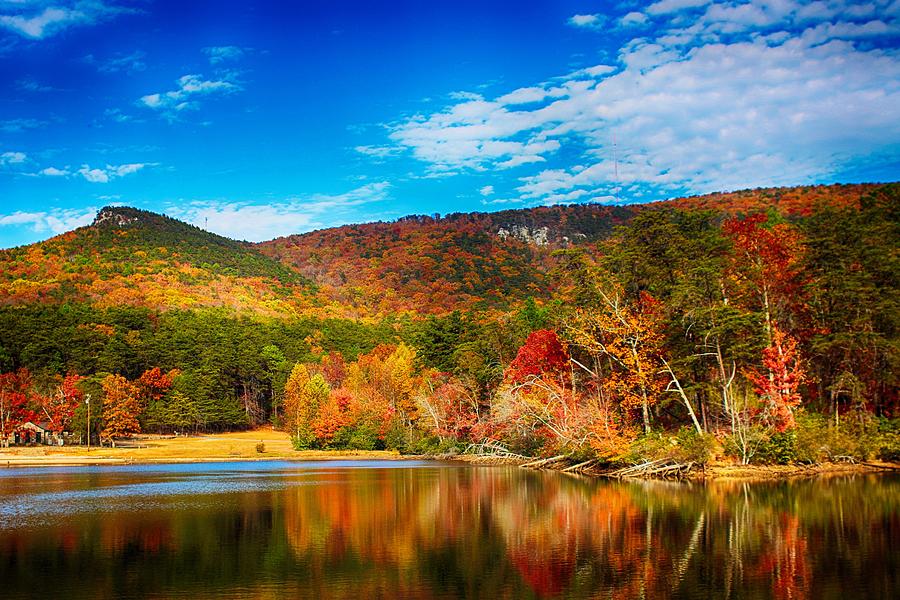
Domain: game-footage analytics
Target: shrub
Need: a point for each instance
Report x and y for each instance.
(685, 446)
(812, 438)
(780, 448)
(360, 437)
(859, 436)
(888, 443)
(395, 439)
(746, 446)
(260, 448)
(432, 445)
(526, 445)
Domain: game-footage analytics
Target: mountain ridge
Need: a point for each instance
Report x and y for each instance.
(415, 264)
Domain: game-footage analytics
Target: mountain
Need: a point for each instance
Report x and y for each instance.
(480, 260)
(138, 258)
(417, 264)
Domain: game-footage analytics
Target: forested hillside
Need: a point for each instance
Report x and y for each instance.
(760, 325)
(415, 265)
(136, 258)
(492, 260)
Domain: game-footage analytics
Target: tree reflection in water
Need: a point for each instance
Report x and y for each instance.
(438, 531)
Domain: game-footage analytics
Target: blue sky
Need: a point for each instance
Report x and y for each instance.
(258, 120)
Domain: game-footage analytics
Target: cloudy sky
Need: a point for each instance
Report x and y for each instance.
(257, 120)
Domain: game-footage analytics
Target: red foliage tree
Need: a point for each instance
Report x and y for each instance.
(542, 353)
(154, 384)
(779, 385)
(15, 409)
(764, 268)
(334, 369)
(59, 408)
(451, 407)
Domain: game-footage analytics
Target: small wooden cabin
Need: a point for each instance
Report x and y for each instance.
(37, 433)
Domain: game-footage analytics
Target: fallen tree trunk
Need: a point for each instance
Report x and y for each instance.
(543, 461)
(656, 469)
(491, 448)
(626, 471)
(579, 466)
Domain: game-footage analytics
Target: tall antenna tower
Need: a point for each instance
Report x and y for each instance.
(616, 164)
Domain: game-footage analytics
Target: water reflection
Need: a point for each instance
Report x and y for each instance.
(438, 531)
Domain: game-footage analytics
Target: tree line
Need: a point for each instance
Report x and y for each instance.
(764, 337)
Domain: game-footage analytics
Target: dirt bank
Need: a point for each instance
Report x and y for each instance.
(770, 472)
(242, 445)
(719, 471)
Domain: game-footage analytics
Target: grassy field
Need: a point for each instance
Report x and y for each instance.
(240, 445)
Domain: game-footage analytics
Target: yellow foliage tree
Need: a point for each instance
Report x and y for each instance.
(303, 395)
(626, 336)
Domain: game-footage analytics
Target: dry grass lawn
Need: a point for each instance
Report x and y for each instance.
(239, 445)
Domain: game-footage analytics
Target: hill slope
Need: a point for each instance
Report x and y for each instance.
(486, 259)
(138, 258)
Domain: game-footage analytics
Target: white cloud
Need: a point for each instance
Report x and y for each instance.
(471, 135)
(54, 172)
(19, 125)
(588, 21)
(465, 96)
(12, 158)
(501, 201)
(670, 6)
(94, 175)
(117, 115)
(36, 20)
(220, 54)
(530, 94)
(264, 221)
(378, 151)
(32, 85)
(110, 172)
(56, 220)
(784, 99)
(189, 88)
(633, 19)
(132, 62)
(486, 190)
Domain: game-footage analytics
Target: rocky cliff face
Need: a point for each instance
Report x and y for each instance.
(116, 216)
(539, 236)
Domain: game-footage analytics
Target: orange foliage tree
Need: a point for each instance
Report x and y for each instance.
(121, 407)
(332, 415)
(626, 336)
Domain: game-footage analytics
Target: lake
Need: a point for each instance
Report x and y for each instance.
(403, 529)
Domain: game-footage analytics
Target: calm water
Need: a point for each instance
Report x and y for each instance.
(425, 530)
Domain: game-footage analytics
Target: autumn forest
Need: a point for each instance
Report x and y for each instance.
(755, 327)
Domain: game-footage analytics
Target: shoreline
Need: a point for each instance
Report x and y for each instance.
(87, 461)
(166, 449)
(713, 473)
(244, 446)
(716, 472)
